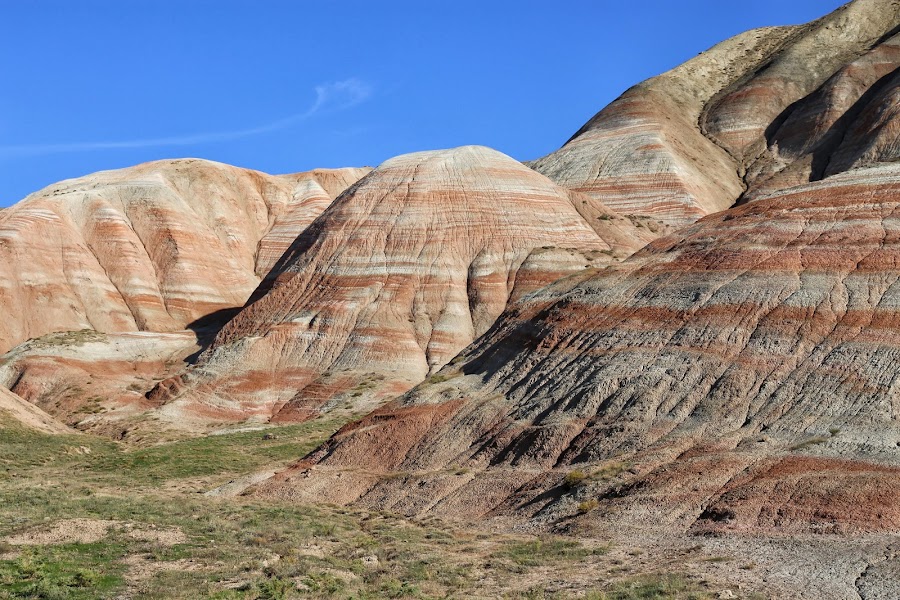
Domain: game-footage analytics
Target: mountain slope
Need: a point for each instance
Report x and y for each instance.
(756, 330)
(739, 374)
(152, 247)
(404, 270)
(689, 142)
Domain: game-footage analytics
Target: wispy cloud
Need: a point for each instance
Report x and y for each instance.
(330, 97)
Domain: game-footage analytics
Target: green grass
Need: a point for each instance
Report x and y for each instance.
(653, 587)
(213, 455)
(243, 547)
(667, 586)
(204, 457)
(64, 571)
(547, 550)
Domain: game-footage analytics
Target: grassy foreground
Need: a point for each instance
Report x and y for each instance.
(84, 517)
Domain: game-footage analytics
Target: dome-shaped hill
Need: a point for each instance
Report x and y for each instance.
(405, 269)
(150, 248)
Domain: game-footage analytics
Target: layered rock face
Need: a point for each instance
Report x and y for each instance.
(690, 142)
(742, 119)
(404, 270)
(149, 248)
(97, 381)
(847, 122)
(645, 153)
(738, 375)
(766, 330)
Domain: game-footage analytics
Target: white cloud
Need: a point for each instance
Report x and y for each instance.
(330, 97)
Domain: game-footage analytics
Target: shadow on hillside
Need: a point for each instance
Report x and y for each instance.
(206, 328)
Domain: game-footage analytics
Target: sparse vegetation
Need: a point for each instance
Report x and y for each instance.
(66, 338)
(240, 547)
(657, 586)
(574, 478)
(547, 550)
(579, 477)
(64, 571)
(813, 441)
(588, 505)
(718, 559)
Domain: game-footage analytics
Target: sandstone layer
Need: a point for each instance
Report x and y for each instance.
(149, 248)
(690, 142)
(399, 274)
(688, 379)
(848, 122)
(96, 381)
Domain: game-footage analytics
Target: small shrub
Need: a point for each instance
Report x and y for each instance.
(324, 582)
(574, 478)
(588, 505)
(274, 588)
(606, 473)
(814, 441)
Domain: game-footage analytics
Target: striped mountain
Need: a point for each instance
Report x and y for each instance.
(403, 271)
(695, 140)
(149, 248)
(738, 374)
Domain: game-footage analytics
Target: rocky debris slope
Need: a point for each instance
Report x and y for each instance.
(405, 269)
(24, 414)
(149, 248)
(684, 386)
(689, 142)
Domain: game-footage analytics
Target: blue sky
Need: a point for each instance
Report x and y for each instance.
(288, 86)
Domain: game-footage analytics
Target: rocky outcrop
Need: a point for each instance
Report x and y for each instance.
(149, 248)
(645, 153)
(404, 270)
(764, 330)
(739, 375)
(691, 141)
(849, 121)
(312, 192)
(741, 118)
